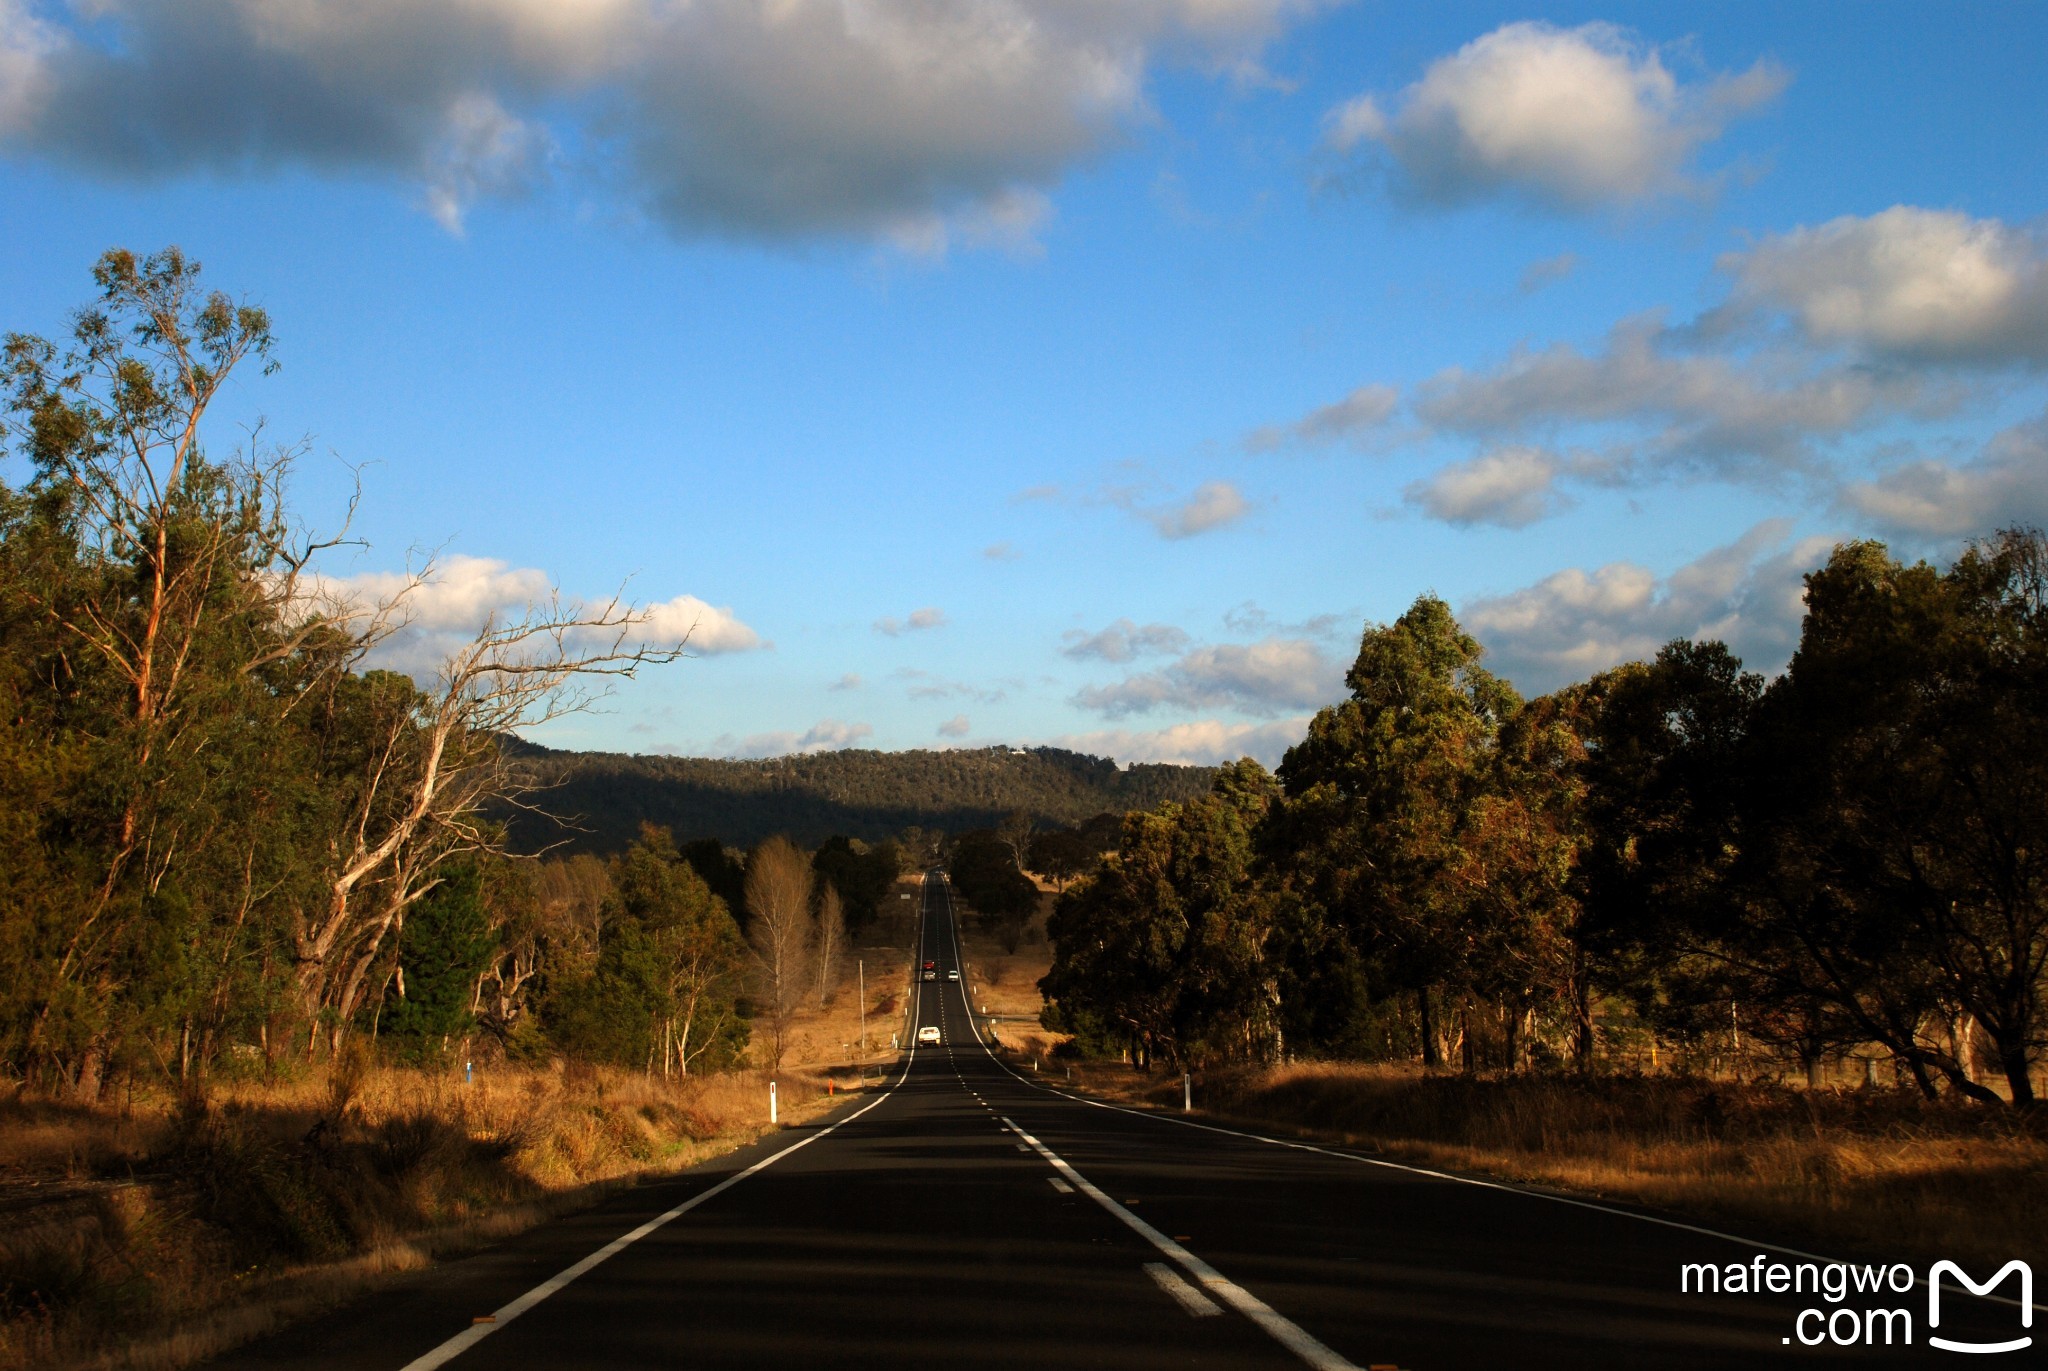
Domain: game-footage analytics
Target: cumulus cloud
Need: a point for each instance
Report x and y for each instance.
(460, 594)
(1569, 118)
(827, 735)
(1749, 594)
(1202, 742)
(1214, 504)
(1358, 415)
(955, 727)
(1511, 487)
(917, 621)
(2004, 485)
(1122, 641)
(927, 121)
(1908, 283)
(1267, 677)
(850, 681)
(703, 629)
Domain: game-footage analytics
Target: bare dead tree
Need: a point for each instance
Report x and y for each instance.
(830, 941)
(779, 932)
(438, 762)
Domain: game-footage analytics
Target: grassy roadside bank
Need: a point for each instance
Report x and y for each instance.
(1855, 1173)
(157, 1233)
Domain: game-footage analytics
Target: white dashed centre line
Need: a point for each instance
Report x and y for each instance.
(1278, 1326)
(1184, 1295)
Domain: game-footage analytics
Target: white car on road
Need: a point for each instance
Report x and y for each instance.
(928, 1034)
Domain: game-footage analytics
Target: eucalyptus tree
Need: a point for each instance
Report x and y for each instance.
(1381, 800)
(1164, 947)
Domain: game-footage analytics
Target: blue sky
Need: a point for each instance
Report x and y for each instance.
(979, 371)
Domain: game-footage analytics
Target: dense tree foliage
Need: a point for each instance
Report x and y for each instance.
(982, 866)
(1847, 858)
(220, 821)
(1164, 951)
(862, 874)
(871, 796)
(665, 987)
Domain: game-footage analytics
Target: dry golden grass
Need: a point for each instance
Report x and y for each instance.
(155, 1233)
(1005, 984)
(826, 1037)
(1875, 1172)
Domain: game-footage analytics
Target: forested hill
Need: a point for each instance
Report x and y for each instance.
(863, 794)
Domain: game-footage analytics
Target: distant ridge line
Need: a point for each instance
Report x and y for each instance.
(861, 792)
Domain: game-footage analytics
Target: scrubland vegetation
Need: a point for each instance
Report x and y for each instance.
(261, 920)
(161, 1230)
(261, 915)
(1854, 1171)
(1772, 951)
(1848, 863)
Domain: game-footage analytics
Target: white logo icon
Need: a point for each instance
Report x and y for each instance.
(2026, 1304)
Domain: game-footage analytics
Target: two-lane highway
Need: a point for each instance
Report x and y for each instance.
(973, 1216)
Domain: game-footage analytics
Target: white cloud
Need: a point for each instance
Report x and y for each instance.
(1214, 504)
(1757, 414)
(1201, 742)
(1122, 641)
(1511, 487)
(917, 621)
(484, 151)
(850, 681)
(26, 44)
(1571, 118)
(1909, 283)
(1362, 412)
(926, 121)
(1267, 677)
(704, 630)
(2004, 485)
(462, 593)
(827, 735)
(955, 727)
(1569, 625)
(1001, 552)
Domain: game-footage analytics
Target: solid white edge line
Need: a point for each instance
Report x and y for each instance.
(1180, 1292)
(476, 1333)
(1501, 1186)
(1278, 1326)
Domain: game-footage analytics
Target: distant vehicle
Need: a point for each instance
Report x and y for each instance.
(931, 975)
(928, 1034)
(929, 965)
(952, 975)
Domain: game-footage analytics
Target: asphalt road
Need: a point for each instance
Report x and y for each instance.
(970, 1217)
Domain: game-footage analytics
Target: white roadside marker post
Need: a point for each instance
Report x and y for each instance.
(1187, 1092)
(771, 1104)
